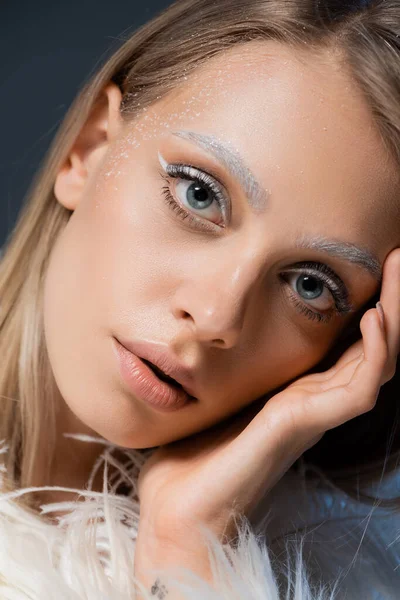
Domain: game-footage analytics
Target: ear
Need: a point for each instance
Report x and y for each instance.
(102, 126)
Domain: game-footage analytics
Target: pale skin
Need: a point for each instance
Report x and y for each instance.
(126, 263)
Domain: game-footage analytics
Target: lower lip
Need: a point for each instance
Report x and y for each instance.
(146, 385)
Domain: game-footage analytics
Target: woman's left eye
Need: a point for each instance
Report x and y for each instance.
(319, 288)
(197, 192)
(312, 290)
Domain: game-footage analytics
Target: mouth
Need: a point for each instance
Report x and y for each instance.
(161, 375)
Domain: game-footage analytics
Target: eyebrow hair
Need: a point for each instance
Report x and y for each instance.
(346, 250)
(256, 195)
(257, 198)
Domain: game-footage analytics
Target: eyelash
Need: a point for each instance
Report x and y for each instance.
(318, 270)
(191, 173)
(327, 276)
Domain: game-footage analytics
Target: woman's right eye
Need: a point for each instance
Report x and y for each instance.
(198, 194)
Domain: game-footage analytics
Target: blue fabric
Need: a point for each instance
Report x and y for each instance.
(354, 542)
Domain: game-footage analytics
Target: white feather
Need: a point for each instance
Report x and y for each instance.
(88, 553)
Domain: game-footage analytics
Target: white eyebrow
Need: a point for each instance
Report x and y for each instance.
(256, 195)
(345, 250)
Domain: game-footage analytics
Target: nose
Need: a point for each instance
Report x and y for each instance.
(215, 302)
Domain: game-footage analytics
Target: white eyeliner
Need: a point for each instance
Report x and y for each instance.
(162, 161)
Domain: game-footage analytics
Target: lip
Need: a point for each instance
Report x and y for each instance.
(145, 384)
(161, 356)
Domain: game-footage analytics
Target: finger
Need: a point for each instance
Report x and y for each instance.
(390, 300)
(344, 355)
(321, 381)
(349, 355)
(344, 373)
(343, 402)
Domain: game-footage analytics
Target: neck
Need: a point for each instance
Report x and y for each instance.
(72, 461)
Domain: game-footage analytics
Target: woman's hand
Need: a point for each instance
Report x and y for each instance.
(223, 471)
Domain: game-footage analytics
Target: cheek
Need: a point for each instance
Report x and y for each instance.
(67, 315)
(135, 255)
(274, 364)
(296, 356)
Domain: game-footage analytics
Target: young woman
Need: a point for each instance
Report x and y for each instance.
(190, 325)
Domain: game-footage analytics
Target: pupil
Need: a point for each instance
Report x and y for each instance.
(311, 286)
(197, 193)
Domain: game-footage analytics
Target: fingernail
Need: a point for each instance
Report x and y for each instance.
(381, 314)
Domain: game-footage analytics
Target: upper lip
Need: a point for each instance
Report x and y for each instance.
(163, 358)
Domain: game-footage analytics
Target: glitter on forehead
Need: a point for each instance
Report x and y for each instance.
(195, 93)
(204, 84)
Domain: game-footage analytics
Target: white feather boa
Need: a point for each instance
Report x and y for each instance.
(88, 554)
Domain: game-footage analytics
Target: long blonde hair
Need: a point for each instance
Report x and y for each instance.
(146, 67)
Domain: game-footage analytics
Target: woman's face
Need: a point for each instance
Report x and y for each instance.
(217, 283)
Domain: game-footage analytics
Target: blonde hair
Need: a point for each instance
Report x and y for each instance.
(146, 67)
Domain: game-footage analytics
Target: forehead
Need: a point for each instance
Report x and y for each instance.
(304, 128)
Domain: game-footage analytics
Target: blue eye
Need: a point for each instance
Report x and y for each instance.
(310, 287)
(197, 192)
(318, 283)
(197, 195)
